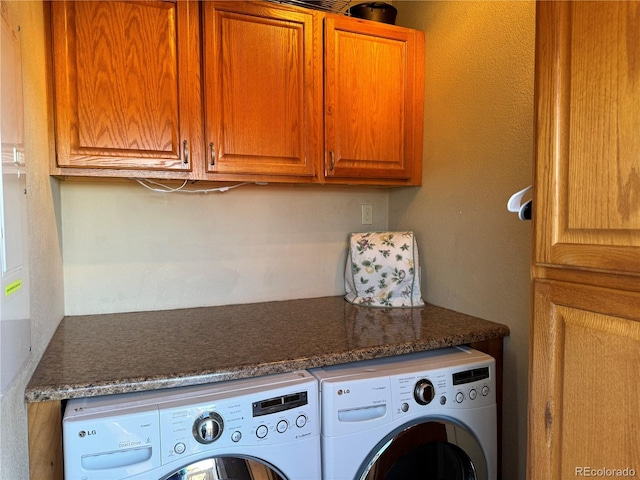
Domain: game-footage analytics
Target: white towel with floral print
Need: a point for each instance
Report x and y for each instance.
(382, 270)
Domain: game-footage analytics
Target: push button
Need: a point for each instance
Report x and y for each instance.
(262, 431)
(301, 421)
(282, 426)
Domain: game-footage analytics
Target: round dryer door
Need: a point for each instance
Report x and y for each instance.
(432, 450)
(226, 468)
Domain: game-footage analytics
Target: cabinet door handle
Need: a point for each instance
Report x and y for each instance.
(185, 152)
(333, 161)
(212, 152)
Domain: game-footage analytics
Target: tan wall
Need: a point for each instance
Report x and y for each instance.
(43, 205)
(478, 150)
(130, 249)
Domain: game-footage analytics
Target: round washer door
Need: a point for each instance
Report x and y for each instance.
(434, 450)
(226, 468)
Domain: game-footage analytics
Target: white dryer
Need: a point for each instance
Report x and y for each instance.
(428, 415)
(261, 428)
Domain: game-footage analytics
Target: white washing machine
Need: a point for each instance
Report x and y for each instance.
(428, 415)
(265, 428)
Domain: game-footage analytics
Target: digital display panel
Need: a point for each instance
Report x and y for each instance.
(469, 376)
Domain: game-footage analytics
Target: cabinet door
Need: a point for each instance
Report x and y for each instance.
(262, 76)
(127, 87)
(374, 90)
(587, 193)
(584, 391)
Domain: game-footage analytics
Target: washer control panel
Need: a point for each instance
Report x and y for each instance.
(135, 433)
(282, 416)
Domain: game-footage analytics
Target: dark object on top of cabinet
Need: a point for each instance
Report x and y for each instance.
(334, 6)
(376, 11)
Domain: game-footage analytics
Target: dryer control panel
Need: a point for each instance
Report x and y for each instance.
(450, 387)
(365, 394)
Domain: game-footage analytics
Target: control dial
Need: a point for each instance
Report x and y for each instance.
(208, 427)
(424, 391)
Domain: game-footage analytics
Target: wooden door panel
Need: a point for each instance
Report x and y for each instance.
(373, 109)
(119, 100)
(584, 390)
(123, 96)
(261, 89)
(368, 106)
(588, 117)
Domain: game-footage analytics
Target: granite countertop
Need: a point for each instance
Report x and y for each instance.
(125, 352)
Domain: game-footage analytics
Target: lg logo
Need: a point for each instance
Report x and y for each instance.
(84, 433)
(344, 392)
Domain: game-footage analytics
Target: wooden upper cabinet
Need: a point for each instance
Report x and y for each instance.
(263, 90)
(234, 91)
(374, 91)
(127, 84)
(588, 148)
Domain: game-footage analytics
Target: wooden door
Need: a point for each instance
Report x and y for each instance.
(585, 386)
(374, 90)
(262, 75)
(585, 335)
(127, 84)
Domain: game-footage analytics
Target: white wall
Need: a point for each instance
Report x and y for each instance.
(43, 205)
(130, 249)
(478, 150)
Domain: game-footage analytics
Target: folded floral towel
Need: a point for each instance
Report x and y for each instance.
(382, 270)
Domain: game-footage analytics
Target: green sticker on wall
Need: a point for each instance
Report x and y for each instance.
(12, 288)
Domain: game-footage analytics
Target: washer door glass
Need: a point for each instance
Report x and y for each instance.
(226, 468)
(433, 450)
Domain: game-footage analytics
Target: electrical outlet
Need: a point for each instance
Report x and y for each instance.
(367, 214)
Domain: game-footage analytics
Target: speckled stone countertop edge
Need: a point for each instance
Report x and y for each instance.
(44, 393)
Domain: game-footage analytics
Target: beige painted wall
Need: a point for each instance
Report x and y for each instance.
(478, 150)
(130, 249)
(43, 205)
